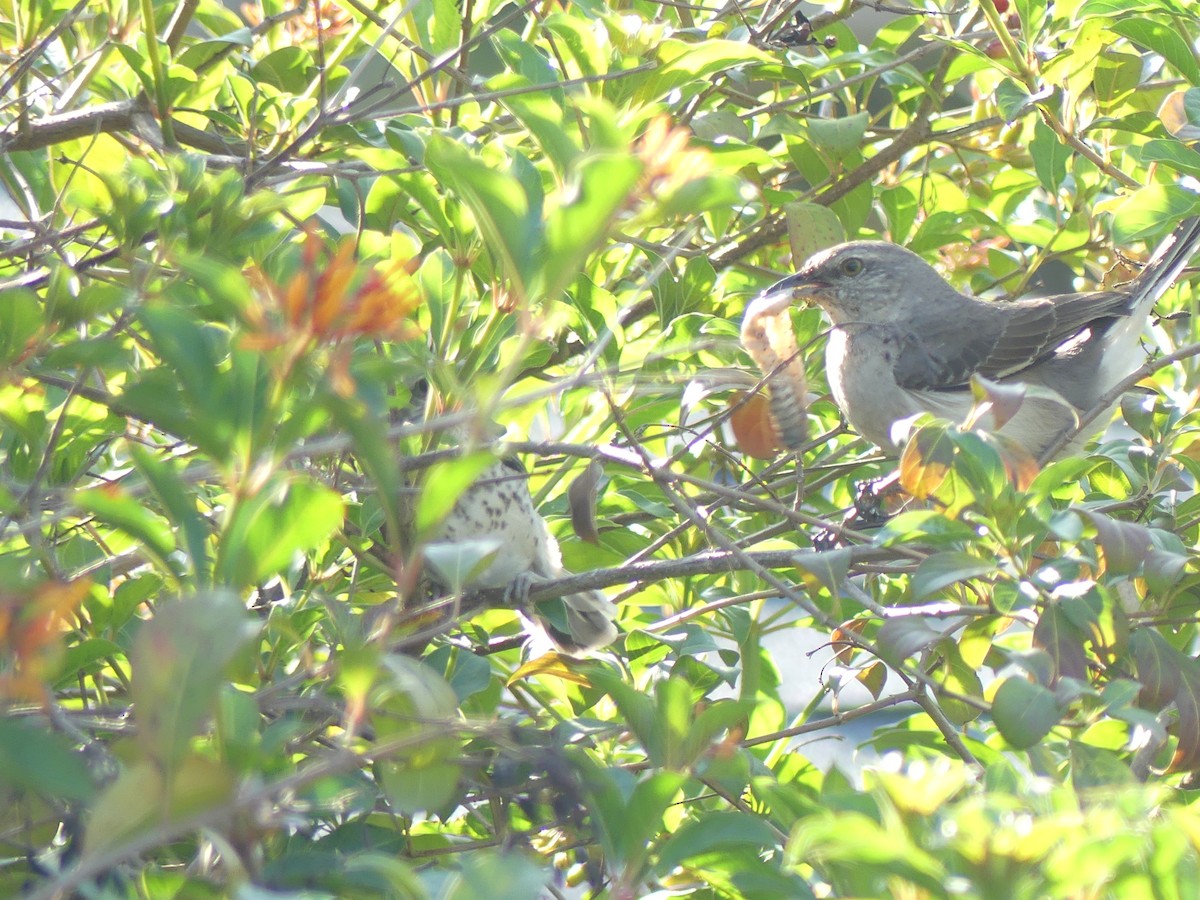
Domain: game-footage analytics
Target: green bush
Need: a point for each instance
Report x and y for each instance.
(262, 266)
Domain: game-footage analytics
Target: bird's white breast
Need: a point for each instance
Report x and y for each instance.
(859, 361)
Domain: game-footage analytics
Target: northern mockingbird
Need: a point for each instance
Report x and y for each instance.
(498, 510)
(904, 342)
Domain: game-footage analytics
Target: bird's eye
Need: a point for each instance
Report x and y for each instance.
(852, 266)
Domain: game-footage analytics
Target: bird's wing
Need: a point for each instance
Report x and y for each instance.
(1000, 340)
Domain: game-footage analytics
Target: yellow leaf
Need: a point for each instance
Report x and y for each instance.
(549, 664)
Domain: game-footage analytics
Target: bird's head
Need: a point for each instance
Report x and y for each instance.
(862, 281)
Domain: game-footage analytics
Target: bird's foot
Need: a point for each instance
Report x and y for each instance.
(516, 594)
(871, 499)
(873, 502)
(826, 539)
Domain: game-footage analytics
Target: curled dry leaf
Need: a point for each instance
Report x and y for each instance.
(768, 337)
(581, 501)
(750, 419)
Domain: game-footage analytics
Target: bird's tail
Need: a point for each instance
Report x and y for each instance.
(1122, 353)
(1165, 266)
(589, 623)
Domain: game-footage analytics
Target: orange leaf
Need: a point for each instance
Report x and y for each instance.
(753, 428)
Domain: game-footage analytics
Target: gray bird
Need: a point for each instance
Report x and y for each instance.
(497, 513)
(905, 342)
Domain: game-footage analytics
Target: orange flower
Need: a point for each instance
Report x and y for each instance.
(327, 302)
(30, 623)
(306, 21)
(669, 162)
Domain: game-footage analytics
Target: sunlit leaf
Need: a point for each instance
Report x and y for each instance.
(939, 571)
(1125, 545)
(266, 532)
(1143, 212)
(510, 224)
(714, 830)
(549, 664)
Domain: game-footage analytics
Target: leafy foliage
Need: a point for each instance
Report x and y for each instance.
(262, 267)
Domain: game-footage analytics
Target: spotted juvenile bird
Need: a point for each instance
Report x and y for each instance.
(905, 342)
(498, 510)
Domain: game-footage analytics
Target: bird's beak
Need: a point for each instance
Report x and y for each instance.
(780, 295)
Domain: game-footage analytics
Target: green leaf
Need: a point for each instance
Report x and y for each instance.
(1095, 768)
(1160, 38)
(287, 68)
(419, 784)
(1187, 703)
(1125, 545)
(1050, 157)
(165, 481)
(178, 660)
(143, 797)
(32, 759)
(903, 636)
(596, 189)
(1172, 153)
(1145, 212)
(367, 430)
(446, 31)
(839, 138)
(1157, 665)
(1092, 8)
(1024, 712)
(901, 207)
(638, 711)
(528, 61)
(643, 815)
(828, 568)
(510, 224)
(408, 696)
(690, 63)
(1011, 99)
(1063, 640)
(713, 830)
(1180, 114)
(20, 322)
(265, 532)
(811, 227)
(582, 42)
(85, 658)
(959, 678)
(116, 508)
(1116, 80)
(541, 116)
(139, 64)
(187, 347)
(939, 571)
(491, 873)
